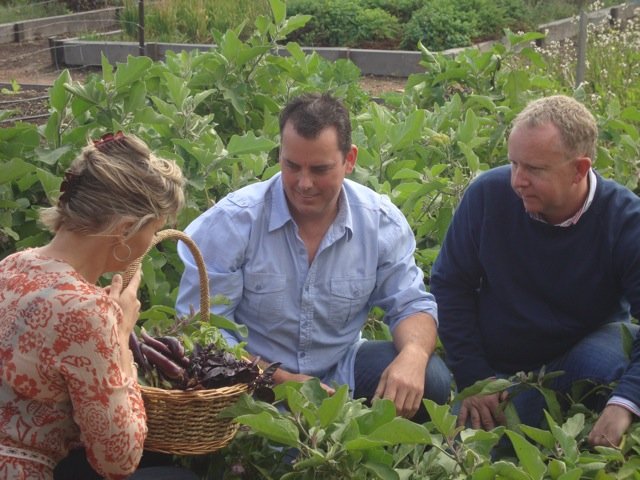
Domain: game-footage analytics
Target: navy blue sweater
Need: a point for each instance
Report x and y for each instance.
(513, 293)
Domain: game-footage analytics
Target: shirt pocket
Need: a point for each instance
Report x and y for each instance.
(264, 292)
(349, 295)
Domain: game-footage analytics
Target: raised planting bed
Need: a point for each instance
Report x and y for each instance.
(71, 24)
(394, 63)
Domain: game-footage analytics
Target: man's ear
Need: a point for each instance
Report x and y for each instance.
(351, 158)
(583, 165)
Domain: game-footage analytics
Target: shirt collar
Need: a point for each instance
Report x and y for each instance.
(585, 206)
(279, 209)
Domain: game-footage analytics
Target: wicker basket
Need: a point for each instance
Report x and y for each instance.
(185, 422)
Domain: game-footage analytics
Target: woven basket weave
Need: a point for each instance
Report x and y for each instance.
(185, 422)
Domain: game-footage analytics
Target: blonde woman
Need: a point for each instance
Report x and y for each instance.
(67, 377)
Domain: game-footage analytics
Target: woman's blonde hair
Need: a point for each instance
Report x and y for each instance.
(114, 179)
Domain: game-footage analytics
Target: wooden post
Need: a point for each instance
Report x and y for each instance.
(581, 54)
(141, 27)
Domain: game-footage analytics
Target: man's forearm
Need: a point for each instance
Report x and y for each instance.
(417, 332)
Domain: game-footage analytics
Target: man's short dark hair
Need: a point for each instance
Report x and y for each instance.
(311, 113)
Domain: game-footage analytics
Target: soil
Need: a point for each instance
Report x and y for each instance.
(30, 65)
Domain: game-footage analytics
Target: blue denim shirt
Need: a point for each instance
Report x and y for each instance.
(308, 317)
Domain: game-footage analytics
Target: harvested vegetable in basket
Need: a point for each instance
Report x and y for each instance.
(163, 363)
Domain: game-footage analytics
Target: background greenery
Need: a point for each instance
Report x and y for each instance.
(215, 113)
(389, 24)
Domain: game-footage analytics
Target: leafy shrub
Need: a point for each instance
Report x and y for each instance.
(343, 23)
(439, 25)
(443, 24)
(401, 9)
(378, 25)
(495, 15)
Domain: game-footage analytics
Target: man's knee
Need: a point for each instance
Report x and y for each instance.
(438, 381)
(598, 357)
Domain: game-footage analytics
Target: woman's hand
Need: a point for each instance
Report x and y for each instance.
(127, 298)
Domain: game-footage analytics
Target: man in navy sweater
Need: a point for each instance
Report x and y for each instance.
(541, 266)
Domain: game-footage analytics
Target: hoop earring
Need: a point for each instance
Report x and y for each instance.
(115, 253)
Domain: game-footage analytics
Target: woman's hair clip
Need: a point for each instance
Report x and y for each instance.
(107, 138)
(68, 186)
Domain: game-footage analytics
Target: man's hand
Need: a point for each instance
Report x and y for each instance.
(281, 376)
(483, 411)
(610, 426)
(402, 381)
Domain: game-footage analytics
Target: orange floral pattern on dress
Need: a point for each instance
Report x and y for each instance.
(60, 372)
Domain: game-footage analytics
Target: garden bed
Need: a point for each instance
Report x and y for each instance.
(29, 65)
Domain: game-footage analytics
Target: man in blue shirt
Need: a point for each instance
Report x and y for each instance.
(305, 255)
(541, 266)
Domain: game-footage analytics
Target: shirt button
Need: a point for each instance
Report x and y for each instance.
(302, 354)
(258, 287)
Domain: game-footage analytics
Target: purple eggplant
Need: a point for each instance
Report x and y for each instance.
(138, 356)
(155, 343)
(174, 345)
(165, 365)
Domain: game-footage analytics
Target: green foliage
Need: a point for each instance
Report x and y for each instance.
(191, 21)
(439, 25)
(344, 23)
(331, 436)
(309, 435)
(401, 9)
(443, 24)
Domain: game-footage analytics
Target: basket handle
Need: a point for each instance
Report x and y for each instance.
(202, 271)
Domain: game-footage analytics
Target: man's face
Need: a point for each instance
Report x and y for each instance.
(312, 172)
(542, 174)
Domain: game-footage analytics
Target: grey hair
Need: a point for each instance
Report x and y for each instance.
(576, 124)
(114, 181)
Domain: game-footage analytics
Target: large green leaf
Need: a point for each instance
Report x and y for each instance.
(397, 431)
(58, 95)
(332, 407)
(382, 412)
(50, 184)
(543, 437)
(279, 10)
(381, 471)
(249, 143)
(14, 169)
(280, 430)
(132, 71)
(528, 455)
(441, 417)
